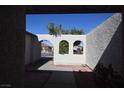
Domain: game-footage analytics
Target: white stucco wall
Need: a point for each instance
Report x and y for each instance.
(104, 43)
(66, 59)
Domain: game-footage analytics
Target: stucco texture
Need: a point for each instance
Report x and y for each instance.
(32, 48)
(104, 44)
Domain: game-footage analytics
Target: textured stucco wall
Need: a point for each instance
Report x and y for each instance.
(32, 48)
(103, 44)
(35, 49)
(27, 48)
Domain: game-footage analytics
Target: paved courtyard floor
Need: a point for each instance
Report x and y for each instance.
(50, 66)
(45, 74)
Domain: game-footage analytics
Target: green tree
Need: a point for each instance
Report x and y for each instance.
(51, 28)
(58, 30)
(54, 30)
(63, 47)
(75, 31)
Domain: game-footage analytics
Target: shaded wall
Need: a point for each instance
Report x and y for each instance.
(104, 44)
(32, 48)
(27, 48)
(12, 39)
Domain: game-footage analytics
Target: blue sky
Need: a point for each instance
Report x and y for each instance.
(37, 23)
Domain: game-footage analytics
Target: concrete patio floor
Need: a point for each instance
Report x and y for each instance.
(48, 75)
(50, 66)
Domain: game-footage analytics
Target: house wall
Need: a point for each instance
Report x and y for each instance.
(32, 48)
(27, 48)
(104, 44)
(66, 59)
(35, 49)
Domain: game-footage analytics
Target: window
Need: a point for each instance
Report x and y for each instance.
(78, 47)
(63, 47)
(46, 48)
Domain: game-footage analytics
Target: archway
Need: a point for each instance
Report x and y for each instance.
(78, 47)
(47, 49)
(63, 47)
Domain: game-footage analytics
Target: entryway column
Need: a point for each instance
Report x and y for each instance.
(70, 48)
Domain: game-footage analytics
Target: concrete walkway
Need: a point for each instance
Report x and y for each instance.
(61, 80)
(62, 75)
(51, 67)
(48, 75)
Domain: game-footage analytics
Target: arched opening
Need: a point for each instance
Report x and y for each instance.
(63, 47)
(46, 49)
(78, 47)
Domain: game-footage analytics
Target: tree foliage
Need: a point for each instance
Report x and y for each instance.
(63, 47)
(51, 28)
(73, 31)
(54, 30)
(58, 30)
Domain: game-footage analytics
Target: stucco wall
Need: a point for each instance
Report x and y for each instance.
(32, 48)
(27, 48)
(66, 59)
(103, 44)
(35, 49)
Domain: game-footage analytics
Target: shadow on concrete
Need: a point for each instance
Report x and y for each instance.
(63, 79)
(85, 79)
(59, 79)
(34, 78)
(38, 63)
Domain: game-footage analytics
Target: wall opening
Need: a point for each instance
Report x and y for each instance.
(46, 49)
(63, 47)
(78, 47)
